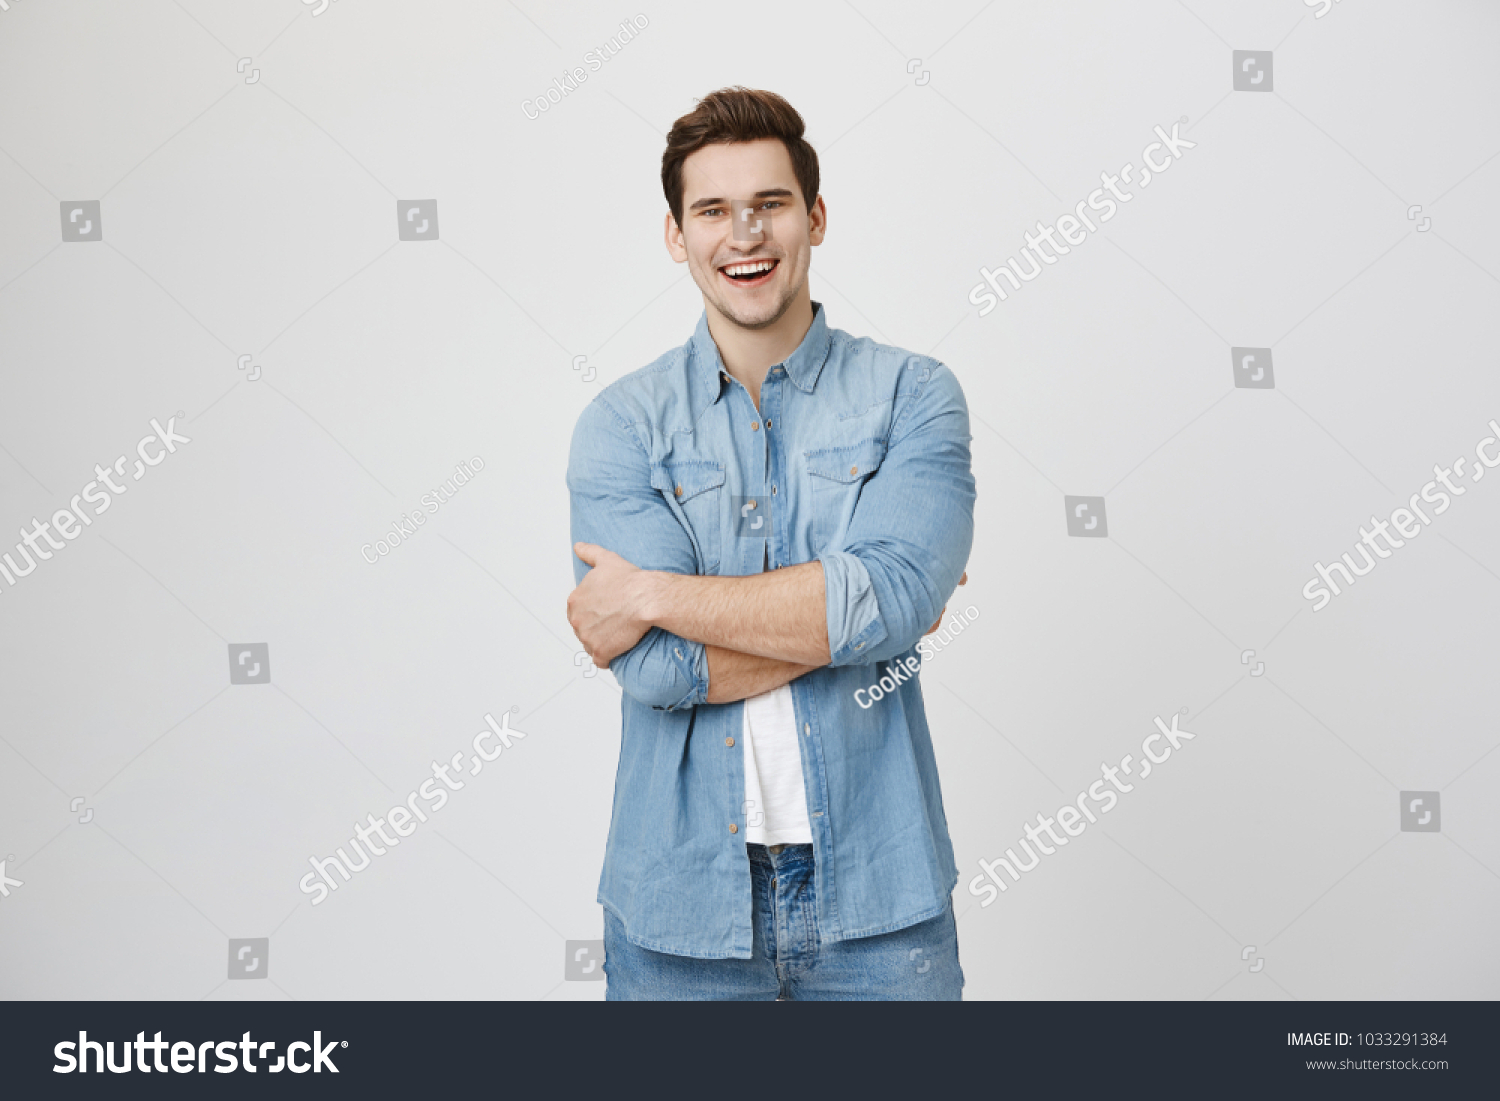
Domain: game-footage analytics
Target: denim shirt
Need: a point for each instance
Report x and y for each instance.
(859, 458)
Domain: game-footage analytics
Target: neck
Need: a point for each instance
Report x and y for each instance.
(749, 353)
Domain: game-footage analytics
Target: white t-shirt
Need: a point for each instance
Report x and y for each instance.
(775, 801)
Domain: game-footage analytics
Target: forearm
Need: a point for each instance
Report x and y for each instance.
(779, 614)
(733, 675)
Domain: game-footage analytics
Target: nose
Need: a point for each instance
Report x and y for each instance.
(749, 224)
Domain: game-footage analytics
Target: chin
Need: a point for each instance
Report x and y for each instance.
(761, 318)
(751, 321)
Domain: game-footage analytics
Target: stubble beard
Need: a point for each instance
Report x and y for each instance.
(726, 309)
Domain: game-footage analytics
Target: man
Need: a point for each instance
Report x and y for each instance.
(766, 520)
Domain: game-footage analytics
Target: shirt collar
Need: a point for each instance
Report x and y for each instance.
(803, 366)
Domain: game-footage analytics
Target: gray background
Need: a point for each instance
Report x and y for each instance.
(260, 219)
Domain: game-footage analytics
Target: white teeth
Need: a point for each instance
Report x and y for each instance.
(749, 269)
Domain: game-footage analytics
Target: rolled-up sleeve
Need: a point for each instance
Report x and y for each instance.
(613, 504)
(854, 622)
(912, 530)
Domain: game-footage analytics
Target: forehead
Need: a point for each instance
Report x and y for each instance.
(737, 170)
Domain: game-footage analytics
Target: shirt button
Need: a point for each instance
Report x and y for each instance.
(807, 729)
(773, 491)
(755, 426)
(733, 828)
(854, 470)
(678, 491)
(729, 741)
(768, 422)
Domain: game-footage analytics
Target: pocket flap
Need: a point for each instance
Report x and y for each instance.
(846, 464)
(686, 479)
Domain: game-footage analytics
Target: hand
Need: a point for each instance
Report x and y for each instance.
(964, 580)
(604, 610)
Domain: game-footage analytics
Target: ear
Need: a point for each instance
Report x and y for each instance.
(817, 222)
(676, 244)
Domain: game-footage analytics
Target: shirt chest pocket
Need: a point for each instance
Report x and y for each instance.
(694, 490)
(836, 476)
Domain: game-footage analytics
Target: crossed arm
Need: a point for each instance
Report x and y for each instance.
(901, 558)
(759, 632)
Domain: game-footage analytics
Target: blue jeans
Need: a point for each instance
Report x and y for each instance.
(917, 963)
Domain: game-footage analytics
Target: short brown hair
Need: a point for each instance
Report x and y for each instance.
(734, 115)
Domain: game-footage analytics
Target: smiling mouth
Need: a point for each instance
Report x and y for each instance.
(751, 273)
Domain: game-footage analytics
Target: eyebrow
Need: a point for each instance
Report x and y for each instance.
(769, 193)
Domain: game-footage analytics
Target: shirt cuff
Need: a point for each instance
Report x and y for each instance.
(691, 660)
(854, 623)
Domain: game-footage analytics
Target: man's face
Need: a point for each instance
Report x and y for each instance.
(727, 191)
